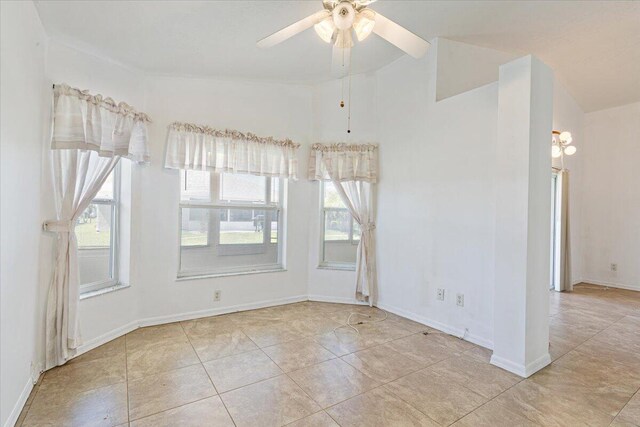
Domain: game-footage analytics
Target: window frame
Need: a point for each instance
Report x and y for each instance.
(333, 265)
(213, 229)
(114, 239)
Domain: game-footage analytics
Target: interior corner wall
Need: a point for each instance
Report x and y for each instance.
(271, 109)
(23, 47)
(155, 295)
(105, 316)
(436, 199)
(329, 126)
(610, 152)
(568, 116)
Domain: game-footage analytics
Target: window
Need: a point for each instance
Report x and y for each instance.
(340, 234)
(229, 223)
(97, 234)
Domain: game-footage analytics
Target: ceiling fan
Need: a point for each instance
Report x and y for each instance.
(336, 22)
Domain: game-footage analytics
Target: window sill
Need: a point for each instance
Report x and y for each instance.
(98, 292)
(235, 273)
(340, 267)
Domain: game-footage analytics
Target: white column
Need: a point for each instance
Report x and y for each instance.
(522, 236)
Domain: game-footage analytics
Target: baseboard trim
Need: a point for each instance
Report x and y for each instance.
(160, 320)
(475, 339)
(524, 371)
(610, 284)
(152, 321)
(106, 337)
(17, 408)
(460, 333)
(339, 300)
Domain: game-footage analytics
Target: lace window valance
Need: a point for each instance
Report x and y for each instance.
(344, 162)
(195, 147)
(91, 122)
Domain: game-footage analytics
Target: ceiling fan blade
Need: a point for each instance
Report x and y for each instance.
(400, 36)
(340, 59)
(293, 29)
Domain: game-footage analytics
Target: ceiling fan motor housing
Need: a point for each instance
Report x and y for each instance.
(343, 15)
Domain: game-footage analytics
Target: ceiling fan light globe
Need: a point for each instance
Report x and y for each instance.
(325, 29)
(555, 151)
(363, 24)
(565, 136)
(570, 150)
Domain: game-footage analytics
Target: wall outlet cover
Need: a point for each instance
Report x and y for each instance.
(460, 300)
(440, 295)
(217, 295)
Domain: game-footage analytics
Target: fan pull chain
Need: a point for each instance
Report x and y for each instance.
(342, 84)
(349, 112)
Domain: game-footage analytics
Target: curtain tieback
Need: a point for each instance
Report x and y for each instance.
(369, 226)
(59, 226)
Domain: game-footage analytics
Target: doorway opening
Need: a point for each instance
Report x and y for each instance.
(556, 231)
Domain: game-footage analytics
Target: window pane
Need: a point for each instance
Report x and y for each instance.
(236, 239)
(274, 226)
(93, 228)
(356, 231)
(337, 224)
(106, 191)
(195, 227)
(275, 191)
(337, 247)
(243, 226)
(242, 188)
(331, 197)
(195, 185)
(93, 232)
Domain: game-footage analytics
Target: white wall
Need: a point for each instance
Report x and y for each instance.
(23, 46)
(155, 294)
(106, 313)
(277, 110)
(436, 198)
(523, 210)
(567, 115)
(429, 152)
(611, 196)
(329, 126)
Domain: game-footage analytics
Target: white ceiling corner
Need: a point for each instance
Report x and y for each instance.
(593, 46)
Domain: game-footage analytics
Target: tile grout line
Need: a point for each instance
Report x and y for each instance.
(172, 408)
(126, 373)
(383, 384)
(208, 375)
(626, 404)
(298, 385)
(184, 404)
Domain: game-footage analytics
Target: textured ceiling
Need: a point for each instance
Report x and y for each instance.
(594, 47)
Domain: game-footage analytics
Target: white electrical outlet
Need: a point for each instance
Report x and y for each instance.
(216, 295)
(440, 294)
(460, 300)
(614, 267)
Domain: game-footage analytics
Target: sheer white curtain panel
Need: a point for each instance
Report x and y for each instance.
(353, 169)
(89, 136)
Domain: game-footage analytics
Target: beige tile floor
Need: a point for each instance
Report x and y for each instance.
(284, 366)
